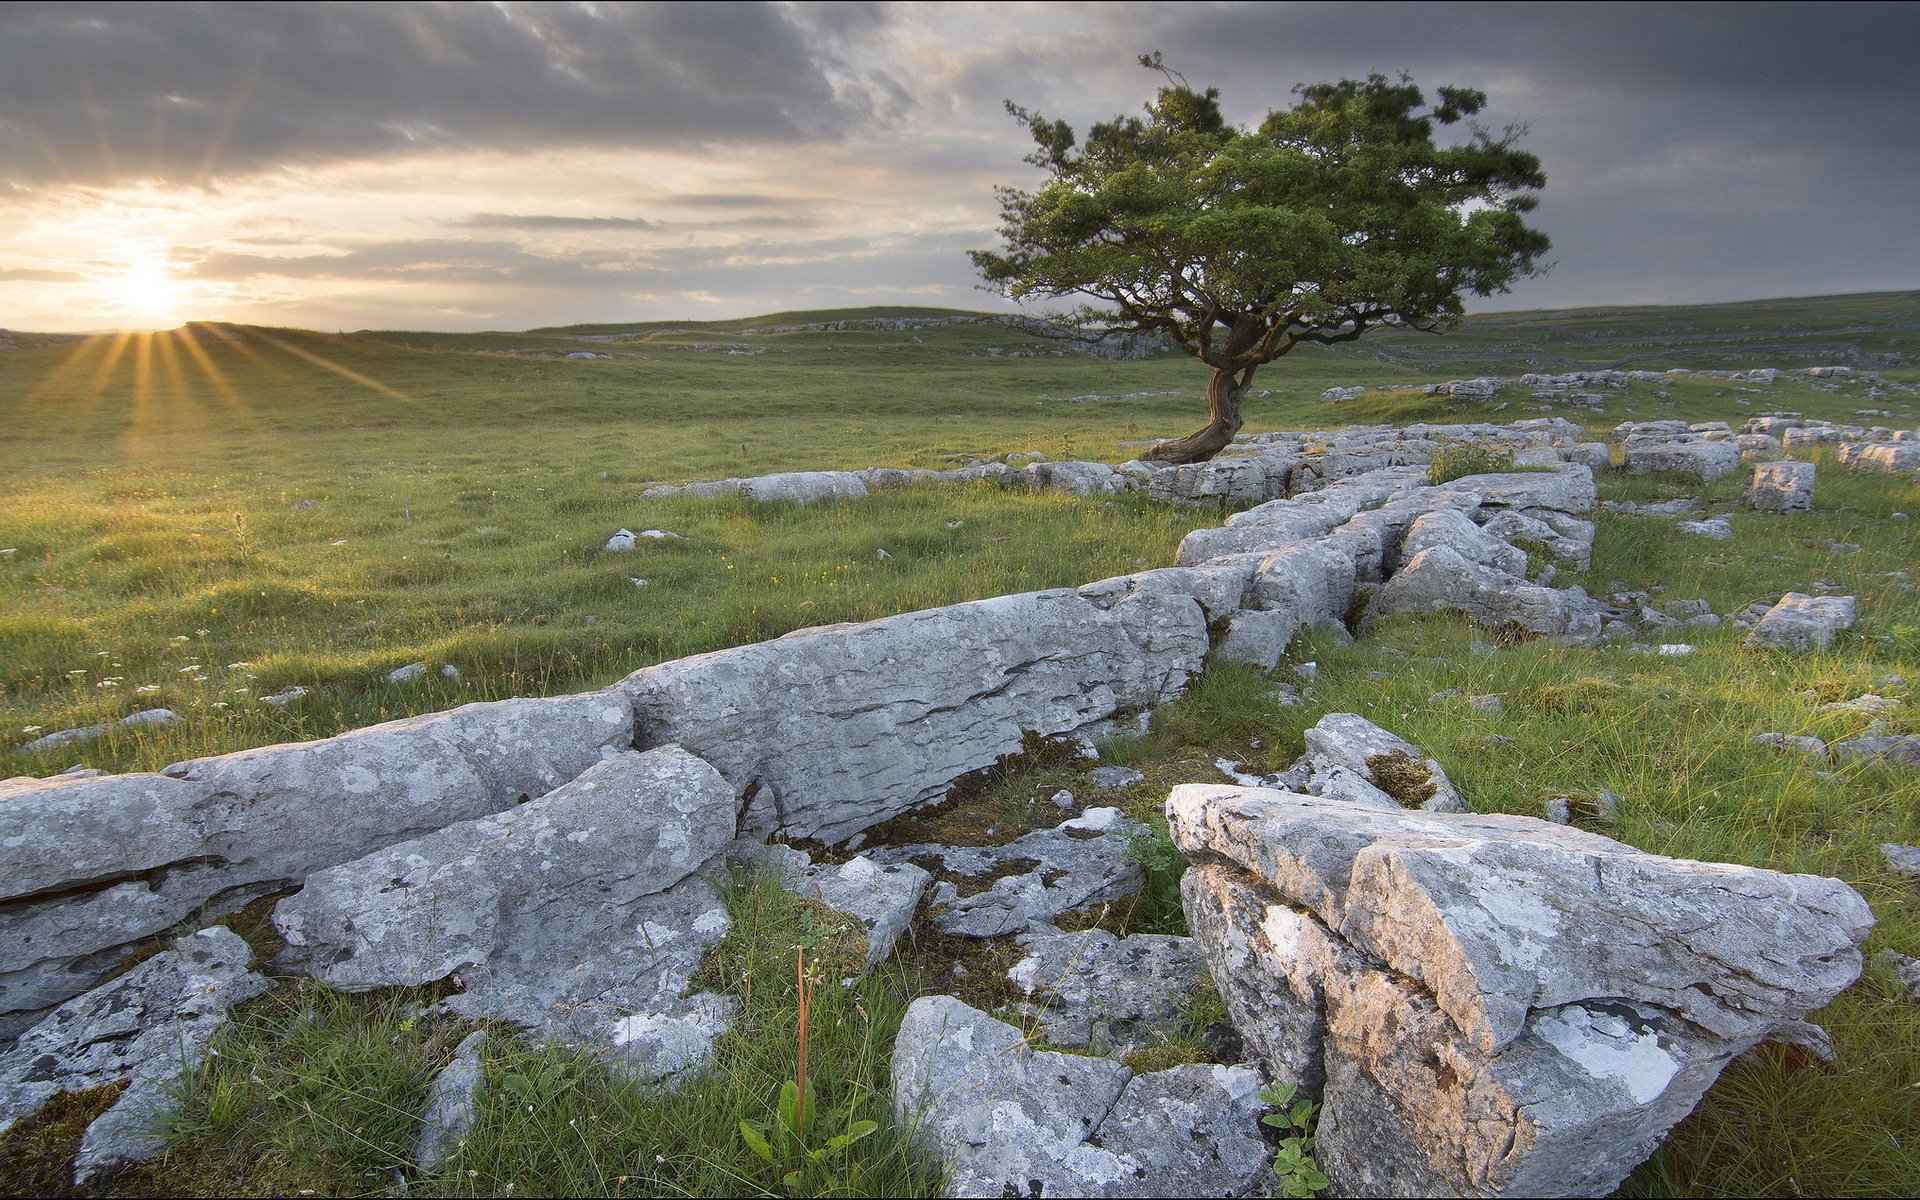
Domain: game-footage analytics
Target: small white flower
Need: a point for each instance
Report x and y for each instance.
(237, 665)
(102, 653)
(108, 683)
(218, 704)
(147, 689)
(178, 637)
(203, 632)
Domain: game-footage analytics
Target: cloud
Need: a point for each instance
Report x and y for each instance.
(185, 93)
(545, 222)
(35, 275)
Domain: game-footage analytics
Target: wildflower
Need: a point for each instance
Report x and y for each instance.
(178, 637)
(203, 632)
(235, 666)
(101, 653)
(31, 728)
(108, 683)
(190, 668)
(147, 689)
(218, 704)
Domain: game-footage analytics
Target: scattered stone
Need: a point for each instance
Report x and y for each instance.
(1108, 993)
(145, 718)
(1880, 750)
(1812, 747)
(1109, 779)
(1868, 705)
(882, 898)
(281, 699)
(1495, 1004)
(1387, 761)
(1906, 971)
(1008, 1120)
(1438, 579)
(450, 672)
(1781, 487)
(1487, 706)
(150, 1027)
(1693, 456)
(408, 673)
(1063, 800)
(1036, 877)
(1717, 528)
(1904, 859)
(620, 541)
(1674, 649)
(1307, 671)
(453, 1104)
(1802, 622)
(1560, 810)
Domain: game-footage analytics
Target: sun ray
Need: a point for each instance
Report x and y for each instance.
(110, 363)
(94, 119)
(188, 335)
(350, 374)
(227, 121)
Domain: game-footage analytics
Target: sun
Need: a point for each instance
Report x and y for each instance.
(149, 291)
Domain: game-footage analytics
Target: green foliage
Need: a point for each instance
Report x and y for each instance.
(1330, 218)
(787, 1145)
(1461, 459)
(1299, 1175)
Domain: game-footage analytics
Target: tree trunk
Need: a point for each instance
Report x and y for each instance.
(1223, 421)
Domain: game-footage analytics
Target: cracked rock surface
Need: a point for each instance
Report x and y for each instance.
(1110, 993)
(1495, 1004)
(1008, 1120)
(149, 1027)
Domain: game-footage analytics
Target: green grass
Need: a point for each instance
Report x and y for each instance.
(160, 545)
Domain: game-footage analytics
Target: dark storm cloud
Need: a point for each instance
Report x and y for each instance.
(97, 93)
(1693, 151)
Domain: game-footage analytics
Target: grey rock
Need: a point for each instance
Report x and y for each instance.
(1438, 579)
(1906, 971)
(1882, 457)
(1880, 749)
(150, 1027)
(1063, 799)
(622, 541)
(1449, 528)
(1487, 706)
(408, 673)
(453, 1104)
(1498, 1004)
(883, 898)
(1076, 864)
(1078, 478)
(1353, 742)
(1005, 1119)
(803, 487)
(1568, 539)
(1113, 994)
(1717, 528)
(847, 725)
(1114, 778)
(1568, 490)
(1559, 810)
(1695, 457)
(89, 867)
(1904, 859)
(1802, 622)
(282, 699)
(1334, 781)
(1781, 487)
(1812, 747)
(1868, 705)
(547, 877)
(160, 717)
(151, 717)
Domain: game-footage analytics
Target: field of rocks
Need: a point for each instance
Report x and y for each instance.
(1492, 779)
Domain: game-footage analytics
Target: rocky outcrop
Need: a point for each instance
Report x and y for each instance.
(1802, 622)
(993, 891)
(1781, 487)
(1495, 1005)
(578, 914)
(1111, 994)
(1438, 579)
(1701, 458)
(149, 1028)
(90, 866)
(882, 898)
(837, 728)
(1008, 1120)
(1387, 761)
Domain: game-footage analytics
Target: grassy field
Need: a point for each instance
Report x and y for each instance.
(201, 520)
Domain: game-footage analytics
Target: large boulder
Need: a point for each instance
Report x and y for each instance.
(1438, 579)
(1008, 1120)
(1693, 456)
(1803, 622)
(579, 913)
(1490, 1004)
(840, 727)
(1452, 529)
(1785, 486)
(150, 1028)
(91, 866)
(803, 487)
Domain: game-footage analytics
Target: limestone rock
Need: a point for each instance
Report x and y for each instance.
(453, 1104)
(1006, 1119)
(1090, 988)
(1437, 579)
(1901, 751)
(803, 487)
(1568, 490)
(1448, 527)
(1802, 622)
(525, 880)
(89, 866)
(1036, 877)
(883, 898)
(1386, 760)
(1717, 528)
(1695, 457)
(847, 725)
(149, 1027)
(1497, 1004)
(1781, 487)
(1904, 859)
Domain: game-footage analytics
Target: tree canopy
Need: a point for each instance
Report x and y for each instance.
(1332, 217)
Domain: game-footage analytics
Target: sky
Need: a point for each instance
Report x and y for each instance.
(505, 166)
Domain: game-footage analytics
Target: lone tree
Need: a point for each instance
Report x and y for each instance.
(1335, 216)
